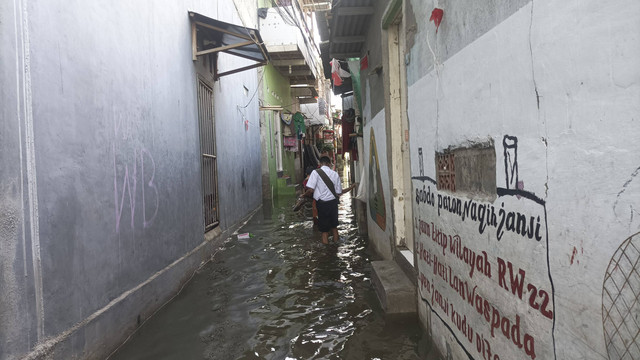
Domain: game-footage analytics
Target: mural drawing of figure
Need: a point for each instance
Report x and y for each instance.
(376, 193)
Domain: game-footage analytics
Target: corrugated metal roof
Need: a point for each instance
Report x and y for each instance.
(348, 22)
(226, 35)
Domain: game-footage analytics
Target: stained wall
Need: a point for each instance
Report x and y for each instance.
(544, 266)
(101, 183)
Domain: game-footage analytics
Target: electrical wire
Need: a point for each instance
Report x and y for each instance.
(292, 17)
(288, 19)
(242, 109)
(244, 25)
(254, 93)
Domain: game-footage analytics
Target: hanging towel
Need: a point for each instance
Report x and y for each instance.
(337, 72)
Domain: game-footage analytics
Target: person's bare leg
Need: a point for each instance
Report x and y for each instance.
(336, 237)
(325, 238)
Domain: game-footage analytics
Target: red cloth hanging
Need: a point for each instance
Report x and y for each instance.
(364, 63)
(436, 17)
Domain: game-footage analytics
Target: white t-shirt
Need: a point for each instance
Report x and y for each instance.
(320, 189)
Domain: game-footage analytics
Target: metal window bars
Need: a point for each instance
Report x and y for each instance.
(209, 160)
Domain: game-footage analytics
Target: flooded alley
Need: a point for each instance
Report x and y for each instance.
(280, 294)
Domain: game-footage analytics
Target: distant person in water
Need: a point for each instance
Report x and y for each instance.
(325, 186)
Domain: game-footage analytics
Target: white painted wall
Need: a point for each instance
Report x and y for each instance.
(563, 78)
(277, 33)
(381, 237)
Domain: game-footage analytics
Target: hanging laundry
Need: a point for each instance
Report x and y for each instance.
(290, 143)
(364, 63)
(349, 143)
(298, 120)
(286, 118)
(348, 122)
(338, 73)
(288, 130)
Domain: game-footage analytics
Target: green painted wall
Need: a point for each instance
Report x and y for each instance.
(271, 156)
(288, 165)
(277, 92)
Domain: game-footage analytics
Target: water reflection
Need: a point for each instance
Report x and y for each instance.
(280, 294)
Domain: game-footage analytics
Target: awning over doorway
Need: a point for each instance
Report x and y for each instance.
(210, 36)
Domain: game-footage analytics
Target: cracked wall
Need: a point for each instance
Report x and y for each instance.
(555, 87)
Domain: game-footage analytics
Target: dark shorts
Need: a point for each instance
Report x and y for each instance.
(327, 214)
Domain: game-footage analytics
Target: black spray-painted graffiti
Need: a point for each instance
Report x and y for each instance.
(484, 214)
(510, 145)
(421, 161)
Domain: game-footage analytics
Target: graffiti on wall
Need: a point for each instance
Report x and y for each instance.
(134, 185)
(510, 147)
(483, 267)
(377, 208)
(621, 301)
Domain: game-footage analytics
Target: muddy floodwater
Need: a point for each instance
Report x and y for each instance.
(280, 294)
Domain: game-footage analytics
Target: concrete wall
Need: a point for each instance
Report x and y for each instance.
(276, 91)
(277, 32)
(378, 208)
(470, 21)
(374, 105)
(17, 302)
(372, 82)
(237, 121)
(537, 269)
(101, 201)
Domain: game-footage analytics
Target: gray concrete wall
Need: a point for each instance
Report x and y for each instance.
(463, 22)
(239, 152)
(100, 163)
(380, 231)
(17, 300)
(372, 82)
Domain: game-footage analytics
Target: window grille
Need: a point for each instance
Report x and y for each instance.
(209, 160)
(445, 171)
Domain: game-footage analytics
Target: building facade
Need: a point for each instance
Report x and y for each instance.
(499, 161)
(125, 152)
(290, 84)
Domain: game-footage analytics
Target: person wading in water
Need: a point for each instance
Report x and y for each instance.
(325, 186)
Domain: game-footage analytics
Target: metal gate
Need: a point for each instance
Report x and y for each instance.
(209, 161)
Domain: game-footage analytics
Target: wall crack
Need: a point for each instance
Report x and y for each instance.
(624, 188)
(535, 89)
(533, 71)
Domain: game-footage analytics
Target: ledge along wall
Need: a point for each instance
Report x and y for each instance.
(100, 184)
(545, 266)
